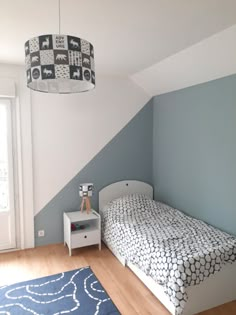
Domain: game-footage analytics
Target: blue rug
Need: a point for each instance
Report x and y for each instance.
(76, 292)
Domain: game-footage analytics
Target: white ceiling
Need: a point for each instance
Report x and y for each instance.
(128, 35)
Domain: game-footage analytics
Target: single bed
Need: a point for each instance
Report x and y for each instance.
(216, 289)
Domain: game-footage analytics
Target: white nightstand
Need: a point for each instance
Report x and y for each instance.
(90, 233)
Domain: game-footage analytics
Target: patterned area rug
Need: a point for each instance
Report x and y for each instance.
(74, 292)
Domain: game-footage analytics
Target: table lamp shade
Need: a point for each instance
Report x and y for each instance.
(86, 190)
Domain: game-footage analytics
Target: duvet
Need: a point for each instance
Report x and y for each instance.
(175, 250)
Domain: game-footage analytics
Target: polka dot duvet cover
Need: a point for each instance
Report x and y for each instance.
(175, 250)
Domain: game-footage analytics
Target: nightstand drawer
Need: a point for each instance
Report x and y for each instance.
(85, 238)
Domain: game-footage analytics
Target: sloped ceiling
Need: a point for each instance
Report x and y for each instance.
(128, 35)
(212, 58)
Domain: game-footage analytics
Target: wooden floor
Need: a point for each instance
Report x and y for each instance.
(125, 289)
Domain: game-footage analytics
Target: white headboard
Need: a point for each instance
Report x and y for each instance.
(122, 188)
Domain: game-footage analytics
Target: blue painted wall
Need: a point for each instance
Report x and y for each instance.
(127, 156)
(194, 151)
(183, 142)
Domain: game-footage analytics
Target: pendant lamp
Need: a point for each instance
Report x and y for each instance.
(57, 63)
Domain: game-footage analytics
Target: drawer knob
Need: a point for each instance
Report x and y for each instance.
(85, 236)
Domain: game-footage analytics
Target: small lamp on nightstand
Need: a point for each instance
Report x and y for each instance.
(86, 191)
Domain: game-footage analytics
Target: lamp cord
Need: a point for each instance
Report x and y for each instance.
(59, 12)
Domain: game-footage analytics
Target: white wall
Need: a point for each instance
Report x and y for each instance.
(66, 132)
(24, 181)
(69, 130)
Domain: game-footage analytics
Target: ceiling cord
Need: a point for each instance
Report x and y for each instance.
(59, 12)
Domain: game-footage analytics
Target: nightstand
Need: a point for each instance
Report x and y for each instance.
(87, 229)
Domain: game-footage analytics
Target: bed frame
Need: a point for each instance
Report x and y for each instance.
(213, 291)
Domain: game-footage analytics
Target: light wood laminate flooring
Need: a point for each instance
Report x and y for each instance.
(128, 293)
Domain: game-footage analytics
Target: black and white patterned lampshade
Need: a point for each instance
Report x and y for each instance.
(59, 64)
(86, 190)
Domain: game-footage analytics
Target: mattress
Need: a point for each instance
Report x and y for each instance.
(175, 250)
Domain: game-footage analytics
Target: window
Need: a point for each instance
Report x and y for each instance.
(7, 208)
